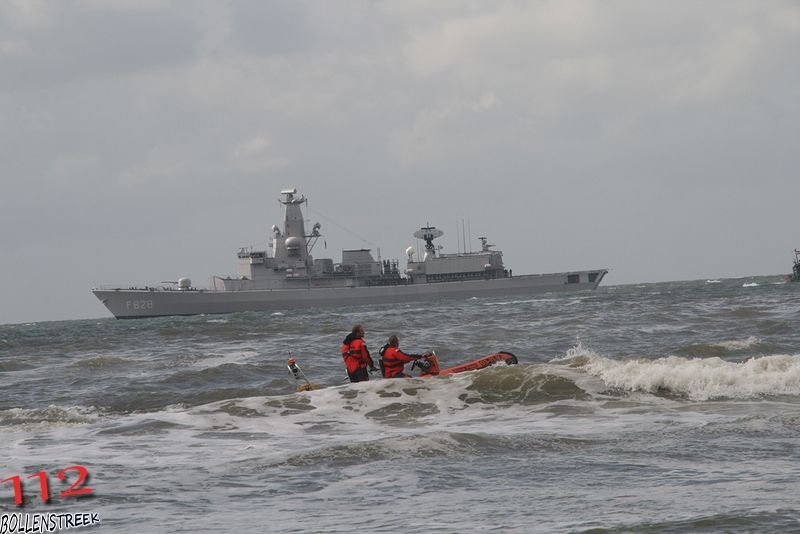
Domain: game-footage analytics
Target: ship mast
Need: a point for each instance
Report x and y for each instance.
(290, 248)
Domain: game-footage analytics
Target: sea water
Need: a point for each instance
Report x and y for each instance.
(668, 407)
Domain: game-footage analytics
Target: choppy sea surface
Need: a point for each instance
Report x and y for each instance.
(670, 407)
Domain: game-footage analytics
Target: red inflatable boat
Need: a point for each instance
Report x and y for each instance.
(428, 365)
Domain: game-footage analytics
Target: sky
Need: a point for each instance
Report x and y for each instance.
(144, 140)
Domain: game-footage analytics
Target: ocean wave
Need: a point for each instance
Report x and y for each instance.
(139, 428)
(719, 348)
(14, 365)
(211, 360)
(102, 361)
(433, 445)
(408, 403)
(528, 384)
(738, 344)
(742, 521)
(518, 301)
(746, 312)
(436, 444)
(31, 419)
(143, 401)
(697, 378)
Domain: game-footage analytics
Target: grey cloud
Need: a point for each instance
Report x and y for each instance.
(142, 144)
(78, 40)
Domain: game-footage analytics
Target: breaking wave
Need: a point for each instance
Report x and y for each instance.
(738, 344)
(697, 379)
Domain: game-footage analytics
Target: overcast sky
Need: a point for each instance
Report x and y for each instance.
(143, 140)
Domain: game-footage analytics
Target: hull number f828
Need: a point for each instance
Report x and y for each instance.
(139, 304)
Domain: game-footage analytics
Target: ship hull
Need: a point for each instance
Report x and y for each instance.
(140, 303)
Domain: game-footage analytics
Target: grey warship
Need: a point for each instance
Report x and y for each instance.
(795, 276)
(290, 277)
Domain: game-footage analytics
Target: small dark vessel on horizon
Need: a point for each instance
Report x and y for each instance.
(795, 276)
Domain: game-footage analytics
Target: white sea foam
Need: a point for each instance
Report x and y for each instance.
(577, 351)
(207, 361)
(43, 418)
(520, 301)
(662, 328)
(352, 415)
(700, 379)
(713, 281)
(750, 284)
(237, 436)
(738, 344)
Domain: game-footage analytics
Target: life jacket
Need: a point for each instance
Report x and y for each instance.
(354, 354)
(393, 360)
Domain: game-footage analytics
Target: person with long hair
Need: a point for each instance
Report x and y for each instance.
(356, 355)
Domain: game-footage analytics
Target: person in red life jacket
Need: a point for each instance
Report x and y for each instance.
(356, 356)
(393, 359)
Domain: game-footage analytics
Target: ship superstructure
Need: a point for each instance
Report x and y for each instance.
(795, 276)
(288, 276)
(291, 264)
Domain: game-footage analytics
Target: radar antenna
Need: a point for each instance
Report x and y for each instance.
(428, 234)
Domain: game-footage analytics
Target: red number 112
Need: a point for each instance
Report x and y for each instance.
(73, 490)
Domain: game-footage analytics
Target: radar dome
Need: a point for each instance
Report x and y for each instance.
(293, 243)
(410, 251)
(428, 233)
(184, 283)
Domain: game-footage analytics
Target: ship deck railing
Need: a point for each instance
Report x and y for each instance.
(145, 288)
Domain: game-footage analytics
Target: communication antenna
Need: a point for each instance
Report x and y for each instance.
(363, 239)
(458, 238)
(469, 229)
